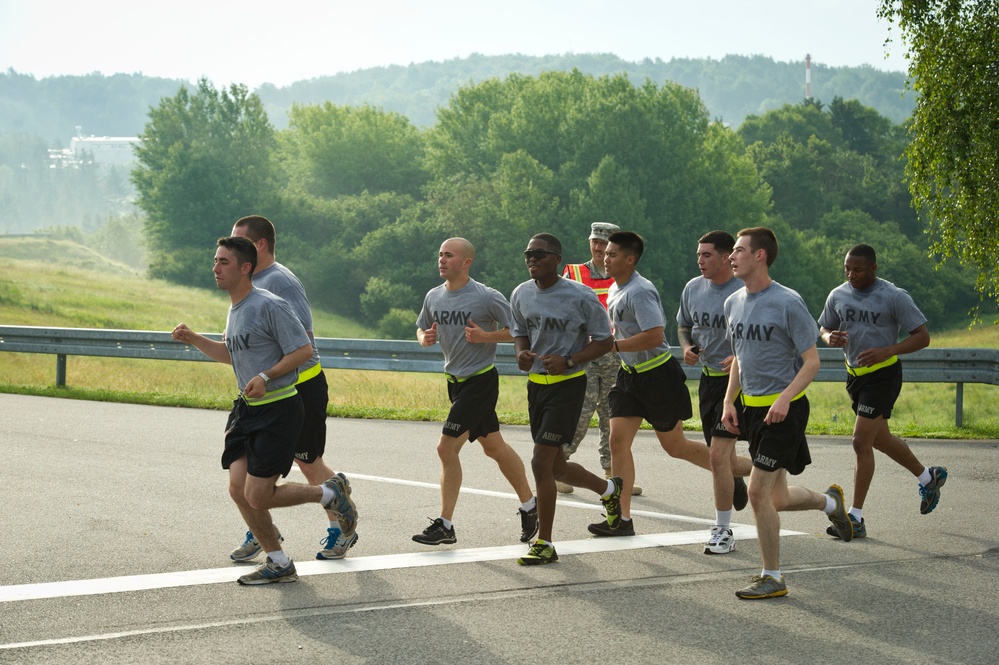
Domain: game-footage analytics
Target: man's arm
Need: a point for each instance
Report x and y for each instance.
(288, 363)
(525, 357)
(643, 341)
(476, 334)
(917, 339)
(730, 418)
(684, 334)
(427, 337)
(217, 351)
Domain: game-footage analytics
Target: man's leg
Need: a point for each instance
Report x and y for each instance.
(448, 450)
(543, 465)
(509, 462)
(722, 458)
(762, 488)
(258, 521)
(622, 436)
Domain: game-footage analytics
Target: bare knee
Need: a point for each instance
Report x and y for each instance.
(315, 472)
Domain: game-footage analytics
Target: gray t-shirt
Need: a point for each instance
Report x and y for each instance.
(559, 320)
(452, 311)
(702, 309)
(769, 331)
(282, 282)
(873, 317)
(260, 330)
(635, 308)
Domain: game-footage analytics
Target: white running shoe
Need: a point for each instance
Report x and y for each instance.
(721, 541)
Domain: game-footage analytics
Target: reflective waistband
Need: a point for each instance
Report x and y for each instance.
(648, 364)
(860, 371)
(274, 396)
(451, 378)
(765, 400)
(552, 378)
(707, 371)
(309, 373)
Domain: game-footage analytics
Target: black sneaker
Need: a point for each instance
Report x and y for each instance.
(528, 523)
(612, 503)
(859, 528)
(539, 554)
(929, 496)
(740, 496)
(602, 528)
(436, 534)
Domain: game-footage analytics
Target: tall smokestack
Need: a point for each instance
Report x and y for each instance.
(808, 76)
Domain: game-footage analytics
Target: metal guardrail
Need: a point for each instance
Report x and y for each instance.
(957, 366)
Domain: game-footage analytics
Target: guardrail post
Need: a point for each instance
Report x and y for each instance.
(60, 370)
(959, 405)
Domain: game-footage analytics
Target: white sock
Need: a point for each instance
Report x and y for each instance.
(830, 505)
(334, 524)
(279, 557)
(447, 523)
(772, 573)
(925, 477)
(528, 505)
(858, 513)
(328, 495)
(723, 518)
(610, 489)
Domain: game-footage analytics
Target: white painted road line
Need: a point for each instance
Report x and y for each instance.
(177, 579)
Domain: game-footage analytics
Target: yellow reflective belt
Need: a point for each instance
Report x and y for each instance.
(309, 373)
(275, 396)
(648, 364)
(552, 378)
(765, 400)
(860, 371)
(707, 371)
(458, 379)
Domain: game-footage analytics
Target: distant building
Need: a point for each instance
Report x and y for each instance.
(110, 150)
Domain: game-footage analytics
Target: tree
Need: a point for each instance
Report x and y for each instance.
(205, 160)
(953, 169)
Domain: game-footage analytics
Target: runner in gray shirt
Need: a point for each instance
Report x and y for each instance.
(864, 317)
(265, 343)
(558, 327)
(702, 332)
(650, 384)
(467, 319)
(312, 387)
(773, 340)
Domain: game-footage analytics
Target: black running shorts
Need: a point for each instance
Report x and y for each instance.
(265, 434)
(779, 446)
(659, 396)
(315, 396)
(875, 394)
(554, 410)
(711, 401)
(473, 406)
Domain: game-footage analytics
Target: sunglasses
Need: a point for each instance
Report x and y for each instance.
(537, 254)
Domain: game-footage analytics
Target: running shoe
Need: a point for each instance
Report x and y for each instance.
(342, 504)
(930, 495)
(602, 528)
(249, 549)
(859, 528)
(528, 523)
(336, 544)
(838, 517)
(740, 496)
(721, 541)
(612, 503)
(763, 586)
(270, 572)
(539, 554)
(436, 534)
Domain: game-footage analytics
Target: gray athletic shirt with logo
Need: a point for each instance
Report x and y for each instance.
(768, 331)
(635, 308)
(559, 320)
(451, 311)
(260, 330)
(282, 282)
(702, 309)
(873, 317)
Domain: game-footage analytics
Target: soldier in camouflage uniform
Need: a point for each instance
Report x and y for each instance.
(602, 372)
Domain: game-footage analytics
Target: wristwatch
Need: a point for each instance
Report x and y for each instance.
(569, 362)
(267, 379)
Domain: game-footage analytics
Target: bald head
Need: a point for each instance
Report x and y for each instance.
(454, 260)
(460, 246)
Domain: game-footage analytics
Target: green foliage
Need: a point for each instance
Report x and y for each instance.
(398, 323)
(340, 150)
(205, 160)
(380, 297)
(954, 155)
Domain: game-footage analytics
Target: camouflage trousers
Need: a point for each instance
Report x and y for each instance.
(600, 376)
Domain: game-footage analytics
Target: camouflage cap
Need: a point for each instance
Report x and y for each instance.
(602, 230)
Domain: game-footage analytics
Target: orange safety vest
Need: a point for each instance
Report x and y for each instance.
(580, 272)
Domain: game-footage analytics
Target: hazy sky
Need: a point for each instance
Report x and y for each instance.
(279, 42)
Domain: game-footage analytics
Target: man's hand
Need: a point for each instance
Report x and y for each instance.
(182, 333)
(474, 333)
(730, 418)
(255, 388)
(429, 336)
(525, 360)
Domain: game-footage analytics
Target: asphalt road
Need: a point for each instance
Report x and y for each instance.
(118, 526)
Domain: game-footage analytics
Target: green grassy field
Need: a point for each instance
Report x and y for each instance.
(61, 284)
